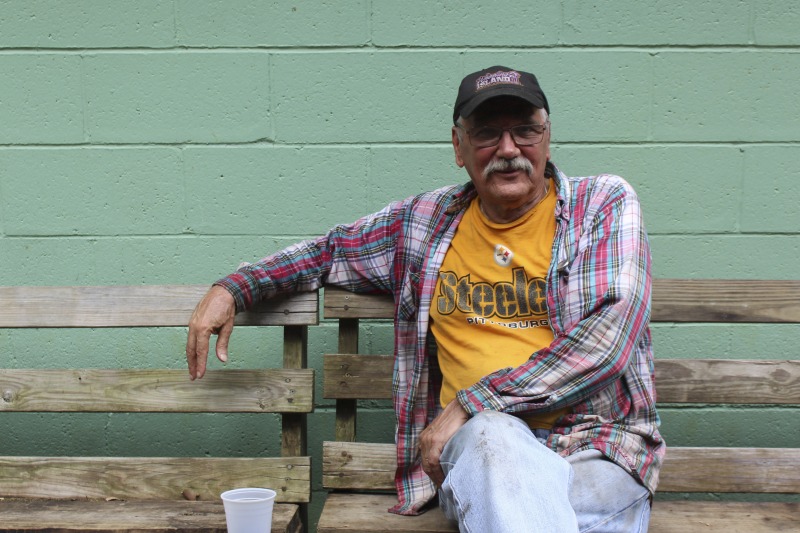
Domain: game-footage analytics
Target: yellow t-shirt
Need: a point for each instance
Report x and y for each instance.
(489, 310)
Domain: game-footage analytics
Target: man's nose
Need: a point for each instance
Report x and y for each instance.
(507, 148)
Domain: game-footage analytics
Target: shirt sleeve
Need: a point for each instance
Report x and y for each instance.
(609, 287)
(355, 256)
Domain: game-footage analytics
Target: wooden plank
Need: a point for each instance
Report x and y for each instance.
(356, 376)
(129, 516)
(674, 300)
(726, 381)
(294, 426)
(151, 478)
(708, 300)
(132, 306)
(772, 470)
(347, 408)
(723, 517)
(358, 465)
(156, 390)
(366, 513)
(369, 466)
(339, 303)
(717, 381)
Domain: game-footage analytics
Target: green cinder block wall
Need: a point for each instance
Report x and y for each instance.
(167, 141)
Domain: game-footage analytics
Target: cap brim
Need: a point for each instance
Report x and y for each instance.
(504, 90)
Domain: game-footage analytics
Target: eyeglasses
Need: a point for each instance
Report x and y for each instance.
(523, 135)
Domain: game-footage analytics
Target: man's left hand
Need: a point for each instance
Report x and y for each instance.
(434, 438)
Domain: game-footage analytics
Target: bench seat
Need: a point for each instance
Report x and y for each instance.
(102, 516)
(366, 513)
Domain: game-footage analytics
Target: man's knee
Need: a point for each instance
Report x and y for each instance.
(486, 433)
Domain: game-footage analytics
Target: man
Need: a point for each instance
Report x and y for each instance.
(523, 365)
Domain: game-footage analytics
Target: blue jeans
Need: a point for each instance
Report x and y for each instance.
(501, 478)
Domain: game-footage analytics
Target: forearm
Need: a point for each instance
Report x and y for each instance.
(357, 256)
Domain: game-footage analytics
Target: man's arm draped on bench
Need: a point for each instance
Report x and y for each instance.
(590, 380)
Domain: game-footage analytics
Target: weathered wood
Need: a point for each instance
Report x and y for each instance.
(358, 465)
(674, 300)
(133, 306)
(129, 516)
(346, 409)
(723, 517)
(339, 303)
(151, 478)
(726, 381)
(707, 469)
(156, 390)
(370, 466)
(295, 356)
(717, 381)
(357, 376)
(711, 300)
(366, 513)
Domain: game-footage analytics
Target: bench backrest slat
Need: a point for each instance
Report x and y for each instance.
(761, 301)
(719, 381)
(151, 477)
(156, 391)
(135, 306)
(370, 466)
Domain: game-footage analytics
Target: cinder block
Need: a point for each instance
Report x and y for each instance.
(465, 23)
(92, 191)
(593, 95)
(632, 22)
(170, 97)
(40, 99)
(274, 190)
(721, 341)
(399, 97)
(776, 23)
(726, 426)
(121, 260)
(399, 171)
(275, 23)
(771, 193)
(726, 96)
(683, 189)
(346, 97)
(726, 256)
(80, 24)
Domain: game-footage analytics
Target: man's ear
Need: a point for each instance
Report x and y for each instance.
(457, 148)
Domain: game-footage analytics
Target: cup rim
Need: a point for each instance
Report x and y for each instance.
(258, 493)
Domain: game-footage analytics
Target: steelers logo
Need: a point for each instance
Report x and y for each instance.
(502, 255)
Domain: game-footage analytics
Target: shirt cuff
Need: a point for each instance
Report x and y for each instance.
(243, 287)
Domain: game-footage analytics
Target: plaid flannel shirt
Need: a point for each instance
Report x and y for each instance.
(600, 363)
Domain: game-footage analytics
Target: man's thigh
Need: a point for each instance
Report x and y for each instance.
(606, 499)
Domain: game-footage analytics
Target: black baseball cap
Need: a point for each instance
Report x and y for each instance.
(495, 81)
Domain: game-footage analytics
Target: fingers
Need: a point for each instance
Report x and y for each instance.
(434, 438)
(213, 315)
(222, 341)
(432, 466)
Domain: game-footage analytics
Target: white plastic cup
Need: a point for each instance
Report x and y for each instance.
(248, 510)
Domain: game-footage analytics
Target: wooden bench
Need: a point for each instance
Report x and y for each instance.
(150, 494)
(358, 472)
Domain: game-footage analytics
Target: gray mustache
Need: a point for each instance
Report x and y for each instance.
(504, 165)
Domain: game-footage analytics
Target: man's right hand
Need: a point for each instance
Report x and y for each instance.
(213, 315)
